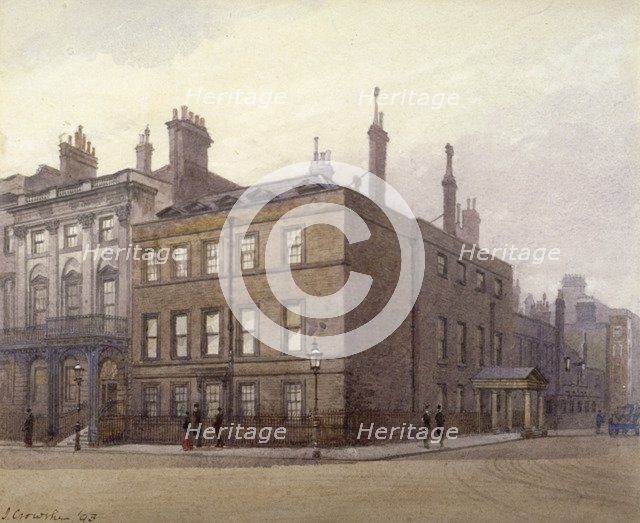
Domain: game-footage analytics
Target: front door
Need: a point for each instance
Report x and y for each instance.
(109, 396)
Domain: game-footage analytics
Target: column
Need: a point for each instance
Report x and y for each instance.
(509, 409)
(93, 384)
(494, 410)
(53, 386)
(527, 409)
(478, 403)
(540, 410)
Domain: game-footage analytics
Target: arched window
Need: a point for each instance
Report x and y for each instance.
(108, 291)
(72, 293)
(39, 300)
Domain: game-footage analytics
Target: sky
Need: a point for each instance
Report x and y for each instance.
(540, 100)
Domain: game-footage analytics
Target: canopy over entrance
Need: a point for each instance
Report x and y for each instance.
(508, 379)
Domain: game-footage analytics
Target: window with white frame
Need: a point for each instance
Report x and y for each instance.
(248, 399)
(293, 326)
(212, 399)
(180, 328)
(38, 239)
(248, 318)
(462, 342)
(106, 229)
(480, 281)
(108, 296)
(152, 266)
(71, 235)
(497, 347)
(293, 253)
(442, 265)
(150, 336)
(180, 257)
(211, 258)
(248, 252)
(293, 400)
(180, 400)
(480, 344)
(72, 295)
(211, 333)
(151, 401)
(70, 385)
(40, 302)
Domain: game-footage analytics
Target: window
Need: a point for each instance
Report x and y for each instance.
(105, 229)
(151, 402)
(497, 287)
(294, 245)
(150, 326)
(211, 333)
(460, 399)
(152, 266)
(180, 256)
(40, 303)
(247, 331)
(38, 242)
(39, 385)
(7, 303)
(72, 296)
(480, 281)
(211, 258)
(293, 400)
(480, 344)
(442, 265)
(5, 384)
(180, 400)
(462, 342)
(211, 399)
(293, 326)
(9, 240)
(248, 249)
(462, 273)
(71, 236)
(441, 335)
(70, 385)
(248, 399)
(180, 328)
(497, 343)
(617, 331)
(442, 396)
(108, 296)
(617, 350)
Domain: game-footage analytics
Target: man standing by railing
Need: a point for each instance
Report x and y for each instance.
(27, 428)
(426, 421)
(217, 425)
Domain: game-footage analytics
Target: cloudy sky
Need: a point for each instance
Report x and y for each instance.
(539, 99)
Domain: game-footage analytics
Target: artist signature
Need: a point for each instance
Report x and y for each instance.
(55, 515)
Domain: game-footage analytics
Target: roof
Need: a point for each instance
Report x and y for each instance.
(522, 378)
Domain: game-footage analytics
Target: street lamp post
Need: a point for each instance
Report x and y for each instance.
(78, 375)
(315, 359)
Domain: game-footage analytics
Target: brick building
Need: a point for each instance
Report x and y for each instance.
(187, 346)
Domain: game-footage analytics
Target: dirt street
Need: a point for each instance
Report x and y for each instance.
(556, 479)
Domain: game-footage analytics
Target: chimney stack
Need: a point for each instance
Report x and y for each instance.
(449, 188)
(144, 152)
(189, 142)
(378, 139)
(78, 160)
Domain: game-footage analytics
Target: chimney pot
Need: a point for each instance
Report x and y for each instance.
(468, 203)
(175, 113)
(89, 147)
(202, 122)
(93, 151)
(184, 112)
(473, 204)
(191, 116)
(76, 138)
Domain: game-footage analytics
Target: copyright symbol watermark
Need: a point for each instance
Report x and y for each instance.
(355, 230)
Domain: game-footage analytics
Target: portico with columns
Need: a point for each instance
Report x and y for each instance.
(510, 381)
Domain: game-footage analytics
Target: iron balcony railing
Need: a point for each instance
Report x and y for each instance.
(68, 327)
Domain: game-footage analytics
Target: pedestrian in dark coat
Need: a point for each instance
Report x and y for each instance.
(217, 425)
(196, 420)
(599, 421)
(426, 421)
(440, 424)
(27, 428)
(186, 440)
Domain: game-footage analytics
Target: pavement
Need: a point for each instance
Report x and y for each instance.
(381, 451)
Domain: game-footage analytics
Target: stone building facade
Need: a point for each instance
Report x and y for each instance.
(66, 272)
